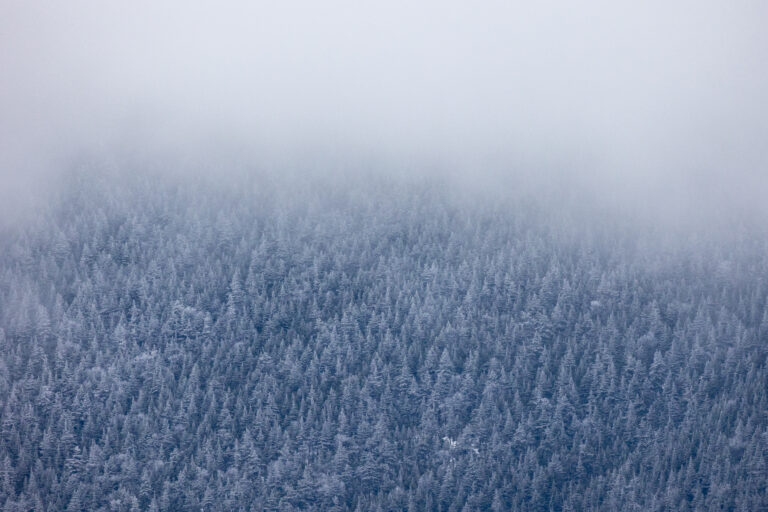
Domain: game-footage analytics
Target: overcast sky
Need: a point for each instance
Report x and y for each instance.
(643, 94)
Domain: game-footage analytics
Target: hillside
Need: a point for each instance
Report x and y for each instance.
(183, 346)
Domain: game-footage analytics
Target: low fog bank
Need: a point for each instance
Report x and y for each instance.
(222, 188)
(657, 111)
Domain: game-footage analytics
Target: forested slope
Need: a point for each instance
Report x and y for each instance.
(179, 346)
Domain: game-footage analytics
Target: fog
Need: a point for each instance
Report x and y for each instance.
(645, 103)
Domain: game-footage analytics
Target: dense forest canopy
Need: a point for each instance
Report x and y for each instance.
(373, 345)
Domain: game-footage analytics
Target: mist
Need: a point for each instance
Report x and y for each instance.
(661, 106)
(358, 255)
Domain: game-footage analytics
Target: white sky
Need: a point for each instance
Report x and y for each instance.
(633, 93)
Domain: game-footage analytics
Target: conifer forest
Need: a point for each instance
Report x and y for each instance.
(369, 345)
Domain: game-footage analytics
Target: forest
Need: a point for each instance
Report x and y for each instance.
(369, 344)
